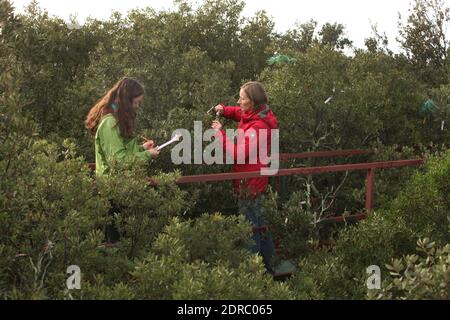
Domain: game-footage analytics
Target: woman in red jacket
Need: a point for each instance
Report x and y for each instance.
(250, 153)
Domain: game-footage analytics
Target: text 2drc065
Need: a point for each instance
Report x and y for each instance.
(246, 309)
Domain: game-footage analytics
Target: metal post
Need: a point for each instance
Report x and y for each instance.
(370, 189)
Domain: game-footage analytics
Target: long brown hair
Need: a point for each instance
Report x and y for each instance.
(122, 95)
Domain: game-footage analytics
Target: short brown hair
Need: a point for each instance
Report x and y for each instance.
(256, 92)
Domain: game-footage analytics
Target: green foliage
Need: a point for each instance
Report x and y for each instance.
(100, 291)
(335, 99)
(52, 55)
(424, 205)
(420, 210)
(377, 42)
(323, 276)
(299, 38)
(436, 122)
(293, 225)
(51, 216)
(386, 92)
(333, 35)
(414, 277)
(205, 259)
(424, 41)
(339, 273)
(301, 98)
(142, 210)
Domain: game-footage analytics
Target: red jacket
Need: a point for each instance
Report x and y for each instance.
(246, 146)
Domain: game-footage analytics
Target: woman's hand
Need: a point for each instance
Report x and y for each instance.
(153, 152)
(218, 109)
(148, 144)
(216, 125)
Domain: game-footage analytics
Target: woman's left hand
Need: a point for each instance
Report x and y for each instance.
(216, 125)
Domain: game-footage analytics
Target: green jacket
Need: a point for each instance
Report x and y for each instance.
(110, 145)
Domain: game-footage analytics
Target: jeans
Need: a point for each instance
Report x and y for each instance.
(263, 243)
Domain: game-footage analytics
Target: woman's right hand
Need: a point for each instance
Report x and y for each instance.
(148, 144)
(219, 109)
(153, 152)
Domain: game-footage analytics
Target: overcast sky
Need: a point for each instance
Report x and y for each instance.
(356, 15)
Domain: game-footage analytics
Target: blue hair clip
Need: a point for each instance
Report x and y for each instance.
(114, 107)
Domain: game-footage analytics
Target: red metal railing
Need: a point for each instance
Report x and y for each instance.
(370, 180)
(370, 167)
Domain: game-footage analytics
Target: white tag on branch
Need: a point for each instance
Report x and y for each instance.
(442, 125)
(330, 97)
(174, 139)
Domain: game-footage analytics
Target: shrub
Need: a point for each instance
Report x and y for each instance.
(50, 219)
(424, 204)
(293, 225)
(381, 236)
(141, 210)
(425, 276)
(205, 259)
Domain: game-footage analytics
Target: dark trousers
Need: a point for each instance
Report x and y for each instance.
(111, 232)
(263, 242)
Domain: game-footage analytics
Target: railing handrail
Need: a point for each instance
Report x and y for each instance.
(370, 180)
(370, 167)
(216, 177)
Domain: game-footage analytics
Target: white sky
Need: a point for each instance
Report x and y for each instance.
(356, 15)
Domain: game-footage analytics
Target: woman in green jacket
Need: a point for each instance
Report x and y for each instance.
(112, 121)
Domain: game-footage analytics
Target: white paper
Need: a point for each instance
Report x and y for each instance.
(174, 139)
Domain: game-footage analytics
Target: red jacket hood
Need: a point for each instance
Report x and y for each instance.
(261, 114)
